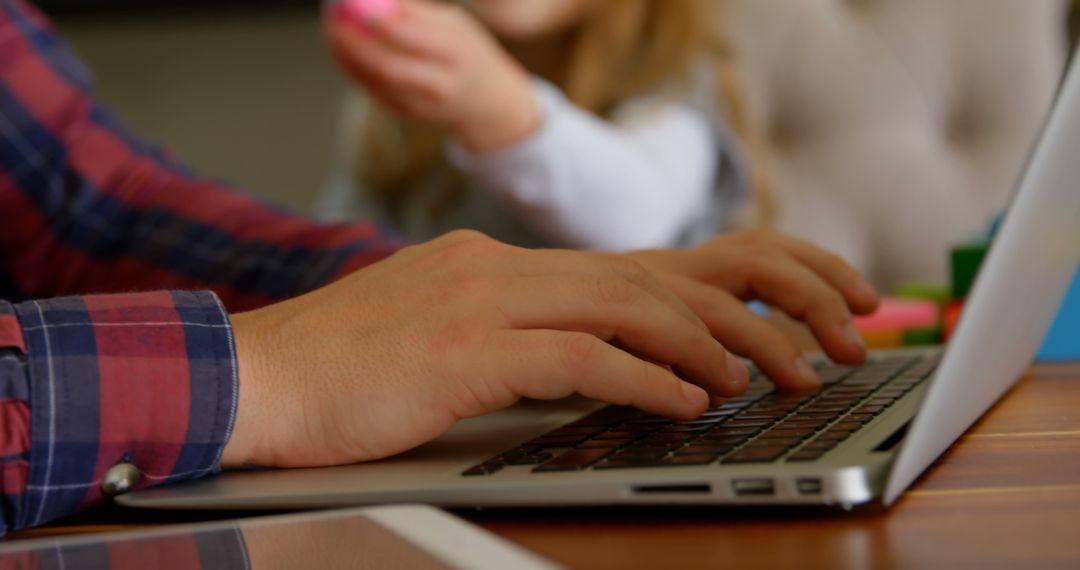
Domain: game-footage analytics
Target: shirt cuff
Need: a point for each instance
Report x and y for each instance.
(148, 379)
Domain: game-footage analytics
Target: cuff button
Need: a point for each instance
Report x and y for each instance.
(120, 478)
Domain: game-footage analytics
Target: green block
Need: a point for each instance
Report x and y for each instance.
(922, 337)
(965, 260)
(939, 293)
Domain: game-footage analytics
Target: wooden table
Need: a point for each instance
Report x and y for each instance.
(1007, 495)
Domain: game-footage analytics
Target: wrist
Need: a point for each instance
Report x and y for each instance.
(513, 117)
(244, 441)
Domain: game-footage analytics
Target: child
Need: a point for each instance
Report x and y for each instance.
(570, 123)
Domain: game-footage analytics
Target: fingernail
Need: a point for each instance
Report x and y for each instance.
(694, 395)
(854, 335)
(738, 375)
(806, 373)
(865, 289)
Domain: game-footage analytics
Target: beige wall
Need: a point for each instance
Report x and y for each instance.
(251, 98)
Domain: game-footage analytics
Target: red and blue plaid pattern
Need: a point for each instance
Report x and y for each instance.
(87, 209)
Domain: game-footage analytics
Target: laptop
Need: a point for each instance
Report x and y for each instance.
(863, 438)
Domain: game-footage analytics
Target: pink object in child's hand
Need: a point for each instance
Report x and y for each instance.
(364, 11)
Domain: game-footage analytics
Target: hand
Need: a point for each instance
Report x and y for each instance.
(433, 62)
(393, 355)
(717, 278)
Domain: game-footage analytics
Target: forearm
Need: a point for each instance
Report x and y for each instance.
(91, 382)
(588, 183)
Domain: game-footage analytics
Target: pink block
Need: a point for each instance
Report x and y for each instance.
(900, 314)
(367, 10)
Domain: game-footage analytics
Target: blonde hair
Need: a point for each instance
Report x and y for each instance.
(627, 49)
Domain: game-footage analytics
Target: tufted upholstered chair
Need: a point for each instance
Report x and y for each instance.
(894, 128)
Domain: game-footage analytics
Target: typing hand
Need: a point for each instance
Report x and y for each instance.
(393, 355)
(809, 284)
(433, 62)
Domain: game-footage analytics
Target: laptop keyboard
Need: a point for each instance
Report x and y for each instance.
(759, 426)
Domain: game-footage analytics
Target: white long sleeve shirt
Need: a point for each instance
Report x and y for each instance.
(660, 174)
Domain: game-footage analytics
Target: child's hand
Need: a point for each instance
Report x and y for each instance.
(433, 62)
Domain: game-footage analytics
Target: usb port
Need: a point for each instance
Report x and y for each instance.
(808, 485)
(760, 487)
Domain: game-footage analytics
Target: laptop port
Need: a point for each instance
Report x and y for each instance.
(758, 487)
(808, 485)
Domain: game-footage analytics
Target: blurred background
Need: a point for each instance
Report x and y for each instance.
(243, 90)
(238, 88)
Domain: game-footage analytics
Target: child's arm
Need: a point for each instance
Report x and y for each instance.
(640, 181)
(643, 181)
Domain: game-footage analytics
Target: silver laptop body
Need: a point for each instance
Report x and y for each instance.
(1019, 288)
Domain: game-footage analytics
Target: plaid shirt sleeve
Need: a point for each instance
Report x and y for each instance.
(89, 382)
(88, 379)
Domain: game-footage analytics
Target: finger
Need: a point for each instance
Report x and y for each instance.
(419, 31)
(616, 310)
(555, 262)
(803, 294)
(375, 63)
(548, 365)
(746, 334)
(860, 295)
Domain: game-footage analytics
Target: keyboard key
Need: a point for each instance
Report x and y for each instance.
(645, 420)
(603, 443)
(801, 415)
(834, 436)
(713, 449)
(573, 460)
(535, 459)
(583, 431)
(607, 416)
(639, 454)
(653, 446)
(755, 455)
(847, 426)
(890, 393)
(615, 463)
(806, 455)
(820, 445)
(668, 437)
(852, 390)
(482, 469)
(720, 437)
(766, 441)
(871, 381)
(636, 428)
(676, 428)
(783, 430)
(801, 424)
(688, 459)
(825, 408)
(739, 423)
(553, 442)
(618, 435)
